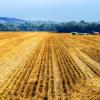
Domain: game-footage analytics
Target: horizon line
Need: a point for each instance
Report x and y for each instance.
(47, 20)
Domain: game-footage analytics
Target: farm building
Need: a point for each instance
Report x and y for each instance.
(95, 33)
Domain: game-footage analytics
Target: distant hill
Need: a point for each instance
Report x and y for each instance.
(20, 21)
(14, 24)
(11, 20)
(39, 22)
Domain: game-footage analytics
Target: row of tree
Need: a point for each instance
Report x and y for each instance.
(82, 26)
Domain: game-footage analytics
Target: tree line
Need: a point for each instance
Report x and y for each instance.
(73, 26)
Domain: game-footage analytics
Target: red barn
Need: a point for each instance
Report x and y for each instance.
(97, 33)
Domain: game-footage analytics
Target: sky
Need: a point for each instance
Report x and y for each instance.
(52, 10)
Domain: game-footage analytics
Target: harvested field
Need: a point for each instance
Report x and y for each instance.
(49, 66)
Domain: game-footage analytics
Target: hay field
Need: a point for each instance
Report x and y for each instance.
(49, 66)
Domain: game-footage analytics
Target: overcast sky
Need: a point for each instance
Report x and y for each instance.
(57, 10)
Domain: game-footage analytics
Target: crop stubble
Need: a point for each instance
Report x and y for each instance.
(46, 66)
